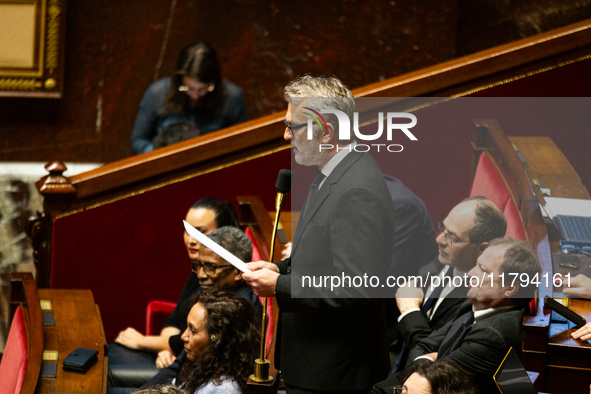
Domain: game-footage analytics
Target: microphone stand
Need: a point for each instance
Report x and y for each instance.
(261, 367)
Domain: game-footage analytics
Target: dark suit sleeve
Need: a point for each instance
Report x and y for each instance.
(282, 265)
(481, 352)
(356, 243)
(414, 328)
(414, 243)
(483, 347)
(431, 343)
(409, 256)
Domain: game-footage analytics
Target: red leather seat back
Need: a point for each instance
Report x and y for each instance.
(157, 313)
(14, 361)
(257, 256)
(489, 183)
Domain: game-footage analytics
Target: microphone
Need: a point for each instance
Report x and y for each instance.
(283, 184)
(283, 187)
(261, 364)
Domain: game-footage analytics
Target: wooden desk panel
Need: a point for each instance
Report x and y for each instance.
(550, 166)
(77, 324)
(567, 362)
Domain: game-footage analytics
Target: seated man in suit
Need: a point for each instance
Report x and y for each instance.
(464, 235)
(491, 322)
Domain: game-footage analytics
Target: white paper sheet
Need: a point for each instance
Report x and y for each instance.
(567, 206)
(217, 249)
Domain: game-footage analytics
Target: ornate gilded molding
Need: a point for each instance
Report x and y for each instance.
(38, 72)
(20, 84)
(53, 35)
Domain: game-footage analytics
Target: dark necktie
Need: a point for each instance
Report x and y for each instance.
(436, 293)
(455, 341)
(313, 190)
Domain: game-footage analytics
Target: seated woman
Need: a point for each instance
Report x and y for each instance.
(133, 359)
(221, 343)
(195, 93)
(439, 377)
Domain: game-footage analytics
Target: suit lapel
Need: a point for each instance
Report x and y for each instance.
(323, 193)
(433, 269)
(450, 301)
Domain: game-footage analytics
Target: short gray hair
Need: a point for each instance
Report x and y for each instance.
(490, 223)
(324, 93)
(519, 259)
(234, 241)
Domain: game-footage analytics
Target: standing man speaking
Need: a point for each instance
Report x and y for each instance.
(331, 339)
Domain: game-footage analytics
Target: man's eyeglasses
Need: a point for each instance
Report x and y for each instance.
(294, 127)
(399, 390)
(208, 268)
(448, 238)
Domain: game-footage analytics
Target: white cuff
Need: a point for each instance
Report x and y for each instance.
(424, 357)
(407, 312)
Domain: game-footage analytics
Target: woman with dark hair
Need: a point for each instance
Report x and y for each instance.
(196, 92)
(221, 343)
(148, 354)
(439, 377)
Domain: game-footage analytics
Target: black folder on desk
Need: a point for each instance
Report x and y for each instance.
(80, 360)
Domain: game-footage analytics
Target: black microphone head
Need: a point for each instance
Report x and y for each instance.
(283, 184)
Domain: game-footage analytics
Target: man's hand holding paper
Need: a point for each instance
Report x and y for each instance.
(263, 278)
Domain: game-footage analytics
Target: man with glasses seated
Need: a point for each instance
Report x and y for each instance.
(213, 272)
(463, 236)
(490, 323)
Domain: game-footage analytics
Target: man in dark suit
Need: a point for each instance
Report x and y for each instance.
(414, 242)
(464, 235)
(331, 339)
(478, 340)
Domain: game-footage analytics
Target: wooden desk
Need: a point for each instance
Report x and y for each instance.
(548, 164)
(565, 363)
(78, 323)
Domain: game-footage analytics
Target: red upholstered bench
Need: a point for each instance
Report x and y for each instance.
(488, 182)
(14, 361)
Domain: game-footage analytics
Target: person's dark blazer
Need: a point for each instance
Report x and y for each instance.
(327, 342)
(414, 248)
(414, 327)
(414, 241)
(483, 346)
